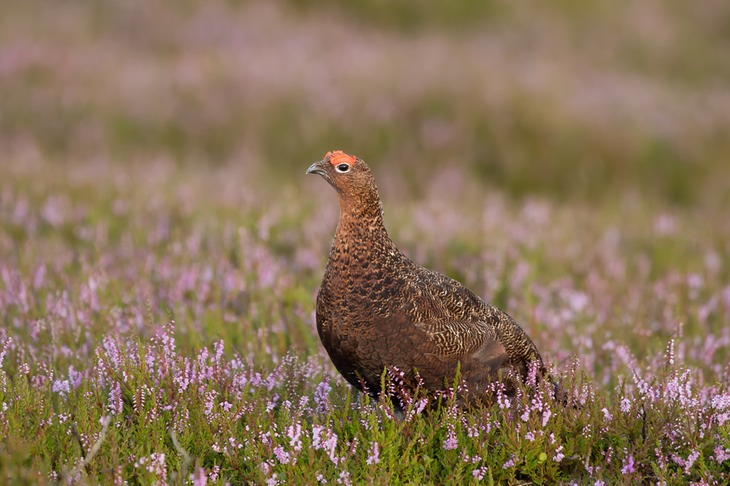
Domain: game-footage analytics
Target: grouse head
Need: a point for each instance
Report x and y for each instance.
(349, 176)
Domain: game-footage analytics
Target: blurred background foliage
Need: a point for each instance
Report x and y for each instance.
(578, 101)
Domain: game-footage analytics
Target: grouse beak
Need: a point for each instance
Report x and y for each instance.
(316, 168)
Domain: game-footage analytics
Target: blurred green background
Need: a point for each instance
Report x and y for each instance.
(577, 101)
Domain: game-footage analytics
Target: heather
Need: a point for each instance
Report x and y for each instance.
(160, 246)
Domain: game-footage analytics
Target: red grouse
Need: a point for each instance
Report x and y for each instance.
(377, 309)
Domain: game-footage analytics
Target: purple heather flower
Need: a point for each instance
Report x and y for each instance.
(273, 379)
(39, 277)
(205, 372)
(451, 442)
(165, 338)
(471, 431)
(374, 457)
(532, 374)
(61, 387)
(628, 465)
(624, 356)
(74, 377)
(235, 444)
(218, 347)
(510, 463)
(154, 464)
(606, 414)
(323, 438)
(281, 454)
(321, 397)
(608, 454)
(503, 401)
(721, 403)
(182, 376)
(721, 454)
(479, 473)
(670, 352)
(329, 446)
(271, 404)
(625, 405)
(209, 404)
(353, 446)
(115, 399)
(687, 464)
(317, 436)
(344, 478)
(198, 478)
(112, 351)
(256, 380)
(645, 389)
(294, 432)
(525, 414)
(417, 409)
(546, 416)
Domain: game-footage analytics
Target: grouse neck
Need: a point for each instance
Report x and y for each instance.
(361, 221)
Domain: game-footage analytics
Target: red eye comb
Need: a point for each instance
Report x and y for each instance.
(338, 157)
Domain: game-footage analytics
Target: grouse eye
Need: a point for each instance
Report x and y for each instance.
(342, 168)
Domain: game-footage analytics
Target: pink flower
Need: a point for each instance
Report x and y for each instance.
(321, 397)
(374, 457)
(198, 478)
(625, 405)
(294, 433)
(115, 399)
(686, 463)
(451, 442)
(606, 414)
(546, 416)
(61, 387)
(558, 454)
(628, 465)
(281, 455)
(721, 454)
(325, 439)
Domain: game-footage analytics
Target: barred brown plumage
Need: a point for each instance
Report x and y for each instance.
(377, 309)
